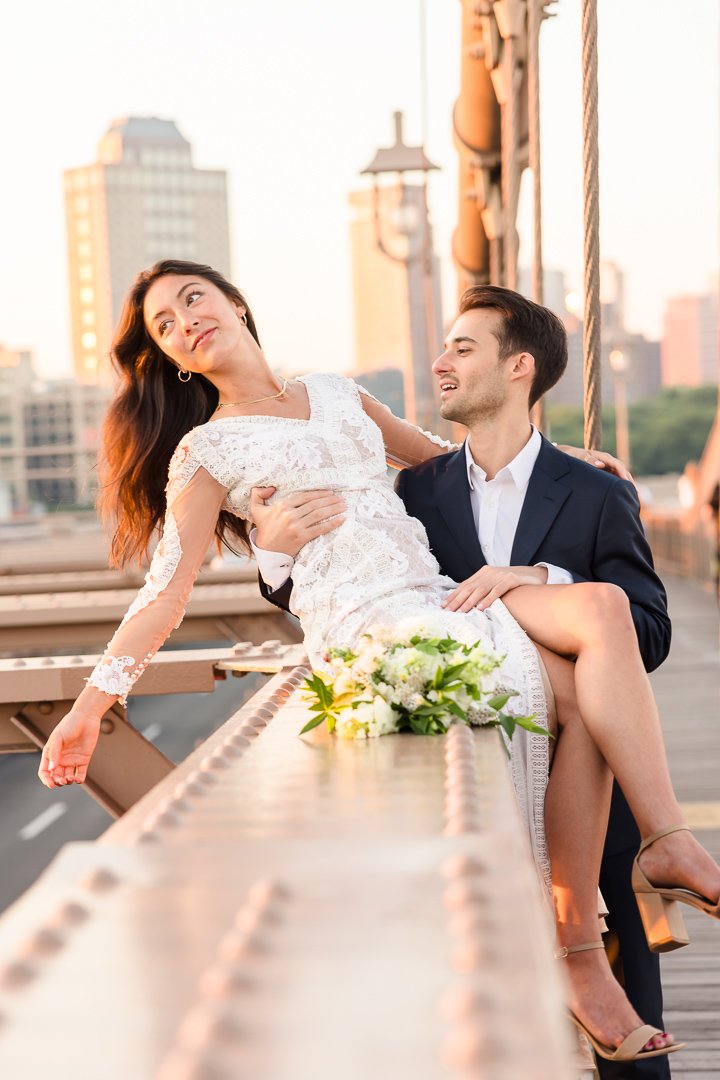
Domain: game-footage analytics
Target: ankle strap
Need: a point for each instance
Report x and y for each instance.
(659, 835)
(566, 950)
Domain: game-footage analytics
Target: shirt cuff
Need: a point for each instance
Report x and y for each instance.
(556, 575)
(275, 566)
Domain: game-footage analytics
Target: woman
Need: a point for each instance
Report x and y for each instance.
(197, 393)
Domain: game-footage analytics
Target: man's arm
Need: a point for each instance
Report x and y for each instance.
(622, 556)
(283, 529)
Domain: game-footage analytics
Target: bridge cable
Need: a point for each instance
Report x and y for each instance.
(591, 194)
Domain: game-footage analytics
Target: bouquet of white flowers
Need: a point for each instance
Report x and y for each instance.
(411, 682)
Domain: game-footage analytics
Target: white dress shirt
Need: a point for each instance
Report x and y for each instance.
(496, 506)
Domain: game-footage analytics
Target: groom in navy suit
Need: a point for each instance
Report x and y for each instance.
(509, 508)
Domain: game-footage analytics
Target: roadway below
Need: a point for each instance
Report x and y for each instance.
(36, 822)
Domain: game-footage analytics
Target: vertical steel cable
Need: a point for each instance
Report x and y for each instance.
(535, 10)
(510, 163)
(591, 192)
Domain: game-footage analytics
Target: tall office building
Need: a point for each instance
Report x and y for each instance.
(690, 341)
(398, 316)
(141, 201)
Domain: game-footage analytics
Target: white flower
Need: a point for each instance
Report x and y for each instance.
(384, 720)
(344, 682)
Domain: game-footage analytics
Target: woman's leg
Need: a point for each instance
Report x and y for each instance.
(576, 813)
(592, 622)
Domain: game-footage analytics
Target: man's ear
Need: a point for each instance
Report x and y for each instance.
(523, 364)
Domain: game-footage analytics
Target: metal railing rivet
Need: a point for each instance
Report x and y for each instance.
(107, 726)
(19, 663)
(465, 1047)
(243, 738)
(469, 921)
(202, 776)
(237, 945)
(184, 1065)
(225, 980)
(100, 880)
(148, 836)
(16, 975)
(267, 890)
(467, 956)
(214, 761)
(207, 1023)
(45, 707)
(70, 914)
(43, 942)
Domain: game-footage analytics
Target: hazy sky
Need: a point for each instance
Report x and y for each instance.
(293, 99)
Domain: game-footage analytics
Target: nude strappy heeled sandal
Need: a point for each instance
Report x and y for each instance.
(631, 1048)
(661, 917)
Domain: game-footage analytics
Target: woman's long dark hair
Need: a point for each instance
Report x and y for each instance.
(148, 417)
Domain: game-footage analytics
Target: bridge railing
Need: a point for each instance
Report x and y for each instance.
(682, 544)
(280, 906)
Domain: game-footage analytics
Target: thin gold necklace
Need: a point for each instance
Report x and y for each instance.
(254, 401)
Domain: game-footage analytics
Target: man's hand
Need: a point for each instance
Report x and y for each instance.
(490, 583)
(600, 459)
(289, 524)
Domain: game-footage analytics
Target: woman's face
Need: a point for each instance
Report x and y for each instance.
(194, 323)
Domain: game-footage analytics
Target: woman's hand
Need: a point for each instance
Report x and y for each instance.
(490, 583)
(66, 755)
(600, 459)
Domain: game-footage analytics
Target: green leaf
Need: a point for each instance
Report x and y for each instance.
(507, 723)
(315, 722)
(456, 710)
(501, 699)
(527, 723)
(453, 670)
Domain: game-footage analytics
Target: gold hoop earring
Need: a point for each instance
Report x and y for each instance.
(243, 319)
(184, 376)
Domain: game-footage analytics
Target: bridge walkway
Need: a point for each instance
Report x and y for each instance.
(687, 687)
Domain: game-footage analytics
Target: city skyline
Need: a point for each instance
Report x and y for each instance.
(293, 158)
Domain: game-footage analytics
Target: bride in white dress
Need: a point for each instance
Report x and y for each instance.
(185, 419)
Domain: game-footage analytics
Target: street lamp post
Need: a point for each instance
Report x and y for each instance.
(619, 365)
(410, 225)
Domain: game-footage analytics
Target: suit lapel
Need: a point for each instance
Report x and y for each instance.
(544, 499)
(453, 499)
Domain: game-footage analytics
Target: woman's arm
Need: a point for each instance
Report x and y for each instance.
(157, 609)
(405, 444)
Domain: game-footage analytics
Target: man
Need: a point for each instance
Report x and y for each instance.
(505, 509)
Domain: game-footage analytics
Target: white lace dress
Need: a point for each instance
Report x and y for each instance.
(373, 570)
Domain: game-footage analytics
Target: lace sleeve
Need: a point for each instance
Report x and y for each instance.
(405, 444)
(194, 502)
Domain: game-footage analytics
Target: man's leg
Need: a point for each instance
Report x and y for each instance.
(637, 968)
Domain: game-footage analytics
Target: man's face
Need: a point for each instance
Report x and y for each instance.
(471, 376)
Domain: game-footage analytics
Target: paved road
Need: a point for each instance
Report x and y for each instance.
(37, 822)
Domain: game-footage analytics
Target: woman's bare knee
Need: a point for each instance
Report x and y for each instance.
(605, 611)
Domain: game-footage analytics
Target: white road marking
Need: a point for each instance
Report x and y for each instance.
(42, 821)
(151, 732)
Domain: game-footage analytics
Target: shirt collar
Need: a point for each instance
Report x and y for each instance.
(520, 468)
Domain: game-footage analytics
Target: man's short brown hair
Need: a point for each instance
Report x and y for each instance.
(526, 327)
